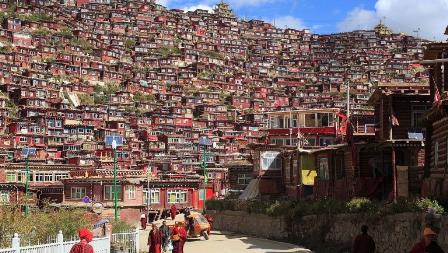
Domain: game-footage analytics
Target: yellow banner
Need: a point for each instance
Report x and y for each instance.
(308, 177)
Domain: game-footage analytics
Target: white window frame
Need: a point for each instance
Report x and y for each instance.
(111, 193)
(77, 192)
(11, 174)
(155, 196)
(130, 191)
(4, 197)
(244, 179)
(178, 195)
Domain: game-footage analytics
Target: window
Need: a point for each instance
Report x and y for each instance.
(323, 169)
(417, 115)
(270, 160)
(4, 197)
(244, 179)
(78, 192)
(177, 196)
(325, 141)
(59, 176)
(130, 191)
(310, 120)
(155, 196)
(23, 139)
(11, 177)
(109, 192)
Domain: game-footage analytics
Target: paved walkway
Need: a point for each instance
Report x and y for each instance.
(231, 243)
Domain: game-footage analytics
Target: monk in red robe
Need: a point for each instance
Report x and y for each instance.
(173, 211)
(155, 240)
(83, 246)
(179, 237)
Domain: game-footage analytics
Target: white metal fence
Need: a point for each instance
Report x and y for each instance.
(100, 245)
(129, 241)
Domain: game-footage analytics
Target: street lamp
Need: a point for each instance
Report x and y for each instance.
(114, 141)
(27, 152)
(204, 142)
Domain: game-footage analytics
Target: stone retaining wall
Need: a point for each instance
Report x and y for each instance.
(392, 234)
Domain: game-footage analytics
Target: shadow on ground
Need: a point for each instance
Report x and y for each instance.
(268, 246)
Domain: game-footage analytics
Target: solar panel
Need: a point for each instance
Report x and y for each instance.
(204, 141)
(28, 151)
(110, 138)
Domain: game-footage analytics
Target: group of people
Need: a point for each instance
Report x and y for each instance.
(161, 239)
(364, 243)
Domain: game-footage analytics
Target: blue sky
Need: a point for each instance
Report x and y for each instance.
(329, 16)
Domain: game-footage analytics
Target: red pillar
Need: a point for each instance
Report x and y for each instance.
(394, 171)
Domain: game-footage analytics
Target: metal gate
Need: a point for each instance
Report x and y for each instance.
(129, 241)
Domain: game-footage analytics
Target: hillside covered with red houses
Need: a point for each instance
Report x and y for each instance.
(75, 71)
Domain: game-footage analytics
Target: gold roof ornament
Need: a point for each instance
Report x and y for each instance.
(223, 9)
(382, 30)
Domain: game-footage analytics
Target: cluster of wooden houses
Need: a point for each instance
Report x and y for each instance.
(286, 110)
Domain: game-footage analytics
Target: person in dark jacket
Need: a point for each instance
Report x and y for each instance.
(364, 243)
(428, 244)
(165, 235)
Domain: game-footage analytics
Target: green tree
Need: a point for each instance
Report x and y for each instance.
(130, 44)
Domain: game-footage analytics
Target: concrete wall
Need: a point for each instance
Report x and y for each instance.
(392, 234)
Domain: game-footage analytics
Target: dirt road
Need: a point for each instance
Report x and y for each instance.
(235, 243)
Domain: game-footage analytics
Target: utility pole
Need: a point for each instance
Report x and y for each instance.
(114, 147)
(204, 142)
(204, 159)
(27, 168)
(290, 127)
(27, 152)
(348, 99)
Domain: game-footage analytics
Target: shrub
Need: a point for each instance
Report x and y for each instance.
(258, 206)
(326, 206)
(357, 205)
(424, 204)
(402, 205)
(40, 224)
(121, 226)
(279, 208)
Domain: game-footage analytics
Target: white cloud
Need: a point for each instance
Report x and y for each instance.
(288, 21)
(358, 19)
(163, 2)
(241, 3)
(199, 6)
(403, 16)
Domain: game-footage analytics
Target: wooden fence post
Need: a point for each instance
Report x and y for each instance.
(16, 243)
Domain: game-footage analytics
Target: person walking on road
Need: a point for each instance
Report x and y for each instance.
(165, 235)
(155, 240)
(83, 245)
(143, 220)
(428, 244)
(173, 211)
(364, 243)
(178, 236)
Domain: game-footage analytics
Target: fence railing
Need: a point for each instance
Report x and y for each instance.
(100, 245)
(129, 240)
